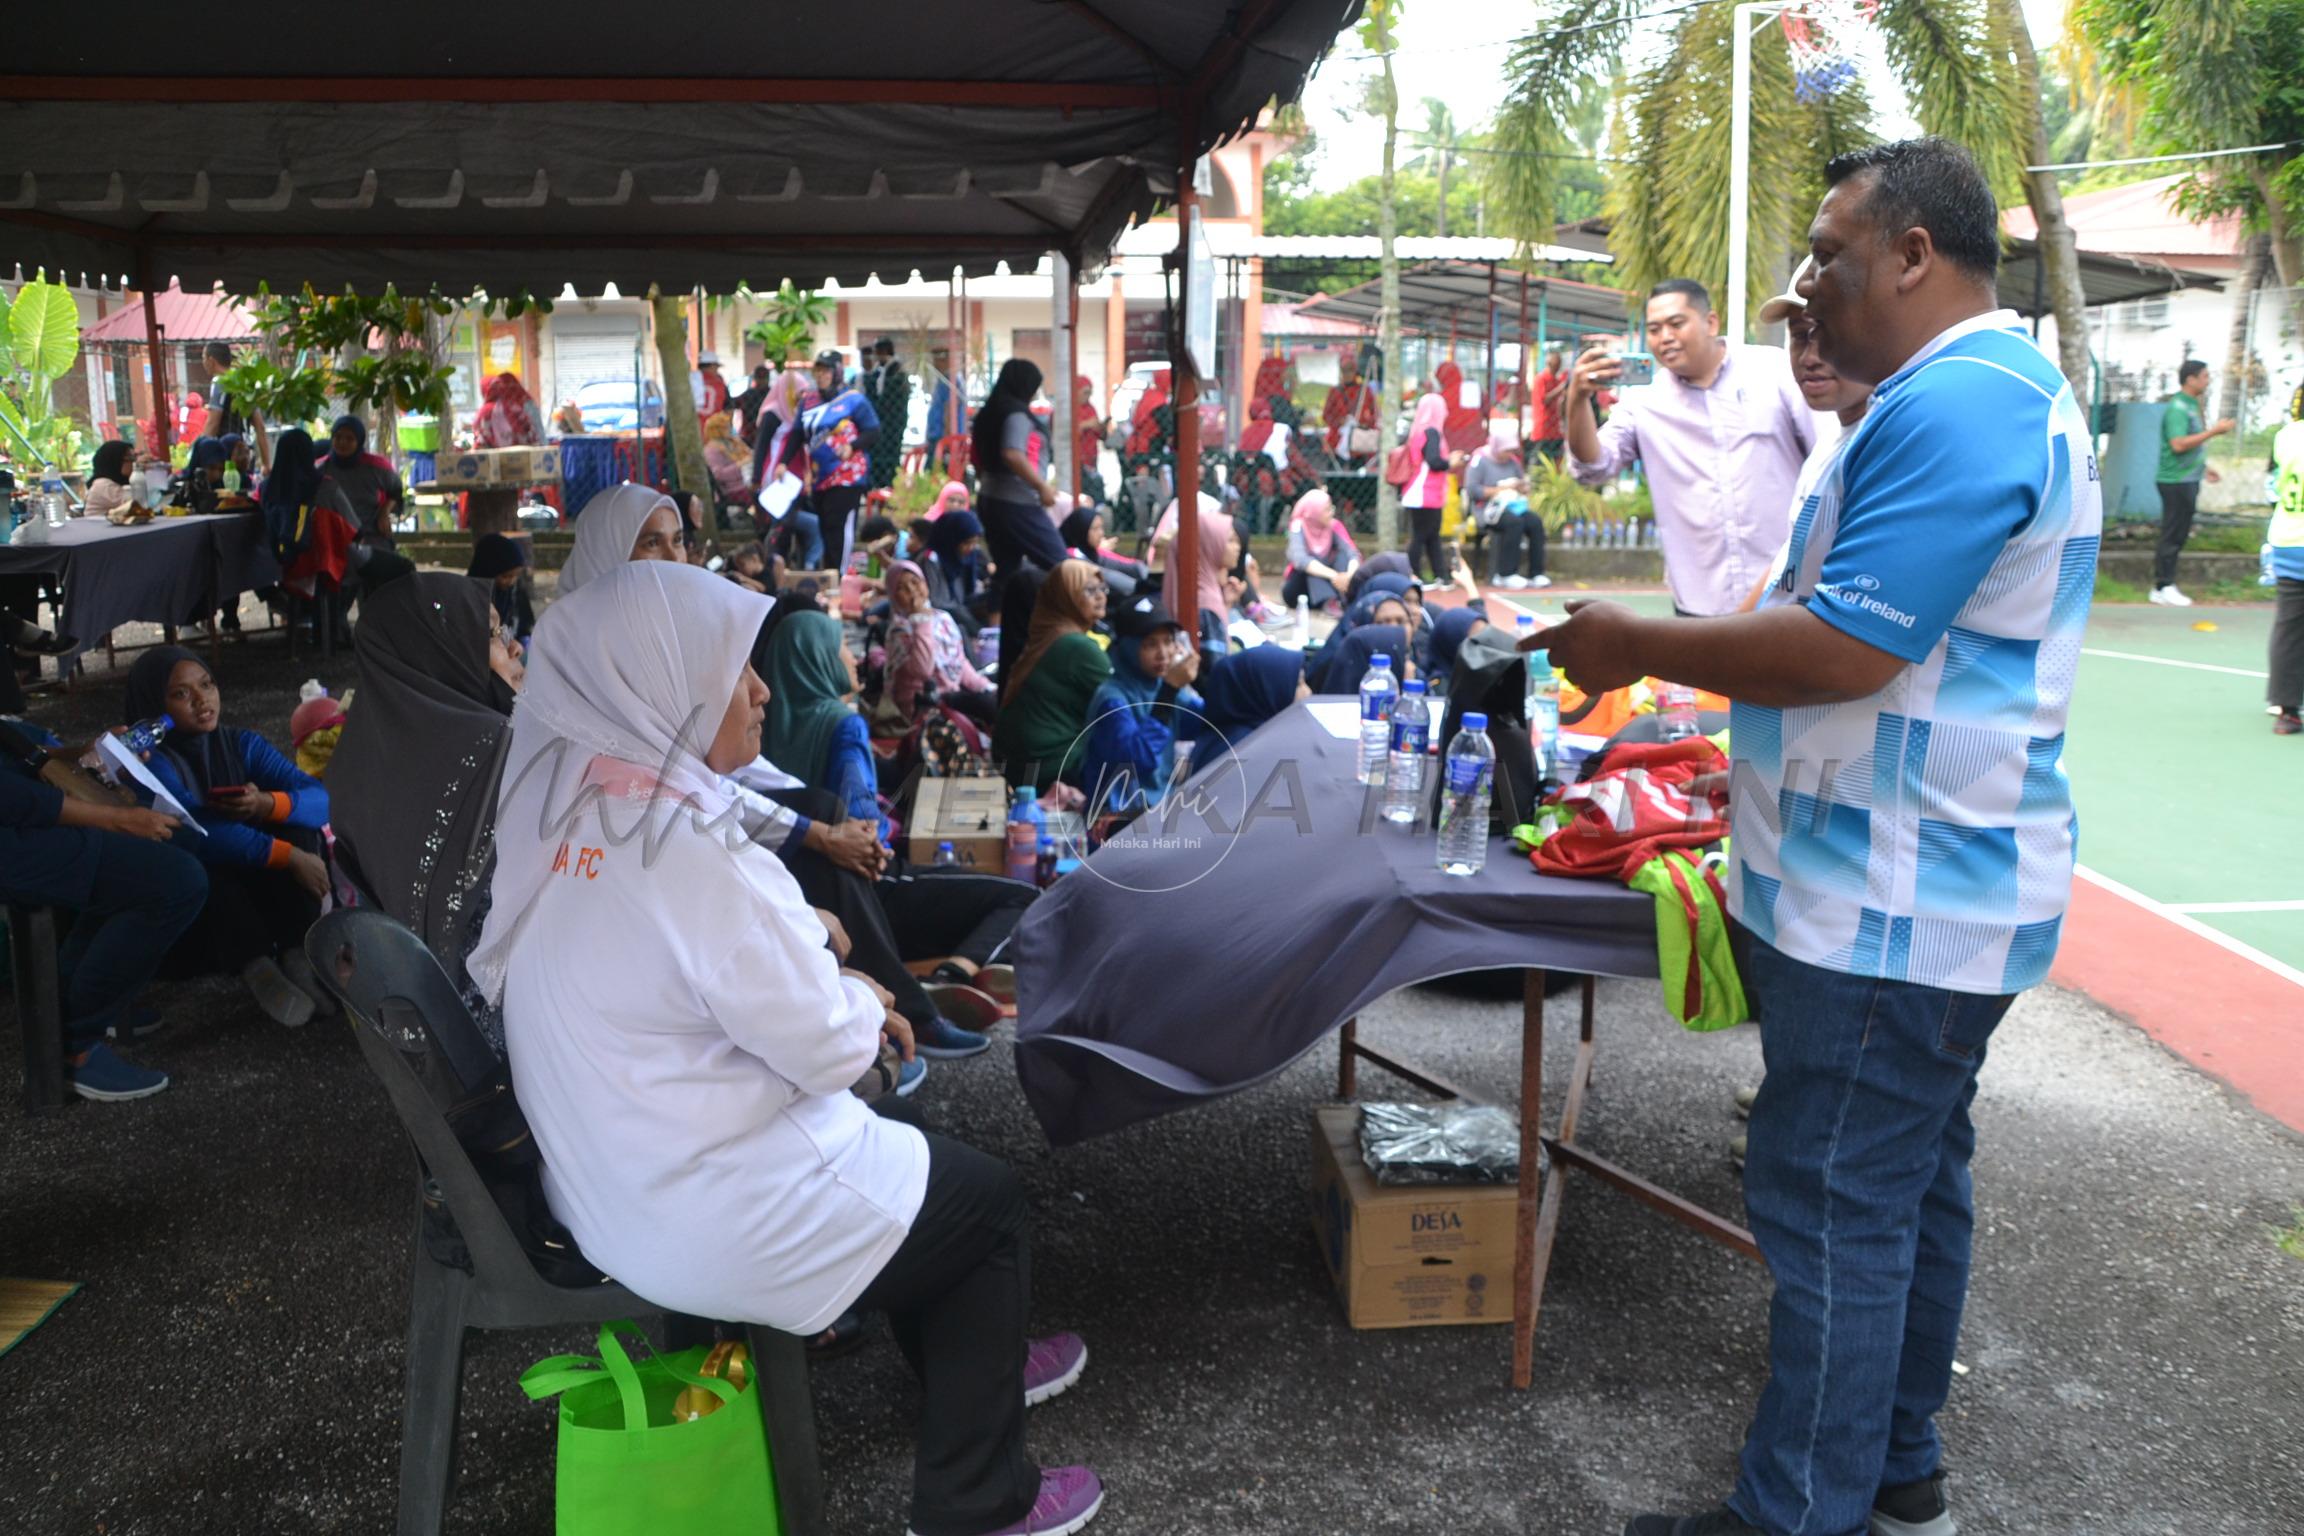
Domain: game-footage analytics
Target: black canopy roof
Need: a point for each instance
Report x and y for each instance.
(678, 143)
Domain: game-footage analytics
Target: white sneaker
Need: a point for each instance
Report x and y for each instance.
(1539, 581)
(2169, 597)
(1516, 582)
(281, 999)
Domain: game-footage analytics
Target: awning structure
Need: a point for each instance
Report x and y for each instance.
(183, 317)
(1461, 296)
(923, 137)
(2104, 278)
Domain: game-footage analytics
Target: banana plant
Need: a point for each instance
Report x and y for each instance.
(38, 343)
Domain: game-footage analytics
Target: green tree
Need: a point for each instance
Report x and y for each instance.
(1966, 66)
(1437, 150)
(2219, 75)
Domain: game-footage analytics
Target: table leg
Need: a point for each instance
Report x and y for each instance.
(1527, 1277)
(1347, 1061)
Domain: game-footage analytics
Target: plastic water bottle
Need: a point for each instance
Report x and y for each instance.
(1044, 869)
(1377, 691)
(945, 857)
(1304, 622)
(1404, 768)
(1469, 773)
(2264, 573)
(146, 735)
(1544, 717)
(1027, 824)
(1677, 708)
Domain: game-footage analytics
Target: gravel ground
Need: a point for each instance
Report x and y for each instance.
(2134, 1338)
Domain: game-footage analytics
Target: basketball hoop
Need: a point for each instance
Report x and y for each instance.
(1822, 35)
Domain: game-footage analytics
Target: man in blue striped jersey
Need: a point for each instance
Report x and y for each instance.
(1904, 835)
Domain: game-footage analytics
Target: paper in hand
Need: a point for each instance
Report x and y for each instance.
(115, 752)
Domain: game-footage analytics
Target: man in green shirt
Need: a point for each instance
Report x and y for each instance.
(2184, 435)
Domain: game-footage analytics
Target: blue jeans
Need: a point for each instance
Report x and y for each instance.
(1856, 1185)
(807, 540)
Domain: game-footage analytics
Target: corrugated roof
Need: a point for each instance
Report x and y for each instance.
(2139, 219)
(506, 155)
(183, 317)
(1460, 296)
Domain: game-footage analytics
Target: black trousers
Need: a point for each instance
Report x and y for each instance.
(2287, 686)
(955, 1293)
(937, 912)
(2177, 504)
(251, 914)
(1020, 530)
(1424, 542)
(835, 510)
(1511, 531)
(129, 897)
(981, 707)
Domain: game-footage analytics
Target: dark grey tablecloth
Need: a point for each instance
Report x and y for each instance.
(1189, 960)
(171, 570)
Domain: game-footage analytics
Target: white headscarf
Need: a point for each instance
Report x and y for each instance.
(638, 667)
(607, 529)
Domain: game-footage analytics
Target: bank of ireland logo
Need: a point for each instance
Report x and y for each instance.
(1865, 583)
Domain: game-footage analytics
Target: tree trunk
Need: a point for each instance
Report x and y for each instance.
(1388, 532)
(683, 434)
(2059, 249)
(2255, 258)
(2286, 235)
(1440, 225)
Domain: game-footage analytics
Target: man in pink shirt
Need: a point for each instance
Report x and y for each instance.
(1720, 434)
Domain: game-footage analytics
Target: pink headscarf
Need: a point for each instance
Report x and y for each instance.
(1316, 509)
(953, 497)
(1431, 416)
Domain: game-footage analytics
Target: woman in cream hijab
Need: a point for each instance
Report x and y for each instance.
(623, 523)
(688, 1085)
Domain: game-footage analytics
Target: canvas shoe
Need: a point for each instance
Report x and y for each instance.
(107, 1079)
(1539, 581)
(1516, 582)
(1051, 1365)
(947, 1041)
(908, 1077)
(1913, 1509)
(1069, 1499)
(2170, 597)
(282, 1000)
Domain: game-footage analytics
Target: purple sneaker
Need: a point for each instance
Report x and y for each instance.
(1051, 1365)
(1069, 1499)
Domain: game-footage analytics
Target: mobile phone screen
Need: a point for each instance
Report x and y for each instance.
(1637, 368)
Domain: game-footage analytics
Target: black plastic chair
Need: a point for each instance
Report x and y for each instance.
(401, 1003)
(39, 1004)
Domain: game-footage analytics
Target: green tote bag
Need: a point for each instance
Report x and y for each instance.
(626, 1468)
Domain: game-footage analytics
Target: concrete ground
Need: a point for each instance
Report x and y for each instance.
(2135, 1339)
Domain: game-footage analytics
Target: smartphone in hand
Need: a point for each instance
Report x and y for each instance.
(1636, 368)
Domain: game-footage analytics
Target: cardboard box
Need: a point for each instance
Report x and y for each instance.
(1408, 1256)
(971, 814)
(468, 470)
(505, 468)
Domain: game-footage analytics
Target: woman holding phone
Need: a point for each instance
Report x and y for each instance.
(256, 826)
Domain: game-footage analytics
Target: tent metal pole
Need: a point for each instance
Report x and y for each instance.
(1183, 580)
(1488, 395)
(1520, 409)
(159, 361)
(1071, 428)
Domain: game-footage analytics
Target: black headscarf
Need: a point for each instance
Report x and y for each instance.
(202, 761)
(110, 463)
(412, 788)
(945, 536)
(1391, 561)
(1350, 662)
(1074, 530)
(494, 554)
(358, 426)
(1012, 394)
(1241, 691)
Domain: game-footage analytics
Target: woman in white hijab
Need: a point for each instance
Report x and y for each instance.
(688, 1087)
(623, 523)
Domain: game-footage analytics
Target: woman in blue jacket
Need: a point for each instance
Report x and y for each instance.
(258, 822)
(1133, 719)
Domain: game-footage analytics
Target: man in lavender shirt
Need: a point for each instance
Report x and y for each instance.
(1721, 433)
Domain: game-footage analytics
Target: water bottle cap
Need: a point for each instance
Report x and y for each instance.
(1524, 620)
(1026, 794)
(1475, 722)
(944, 847)
(1047, 843)
(1413, 685)
(1380, 662)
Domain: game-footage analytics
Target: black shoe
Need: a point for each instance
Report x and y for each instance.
(1718, 1522)
(844, 1336)
(34, 640)
(1913, 1509)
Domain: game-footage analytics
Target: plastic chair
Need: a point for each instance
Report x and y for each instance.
(401, 1002)
(39, 1004)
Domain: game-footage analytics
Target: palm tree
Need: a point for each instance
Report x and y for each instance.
(1966, 66)
(1439, 145)
(1378, 35)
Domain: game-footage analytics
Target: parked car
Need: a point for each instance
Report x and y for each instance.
(607, 406)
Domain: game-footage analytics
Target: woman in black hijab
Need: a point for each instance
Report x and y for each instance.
(414, 779)
(502, 562)
(1012, 497)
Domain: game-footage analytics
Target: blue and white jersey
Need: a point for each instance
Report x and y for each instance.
(1925, 833)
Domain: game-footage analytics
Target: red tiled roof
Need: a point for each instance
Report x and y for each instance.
(183, 317)
(2139, 219)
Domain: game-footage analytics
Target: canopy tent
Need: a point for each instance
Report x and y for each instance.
(598, 154)
(1465, 296)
